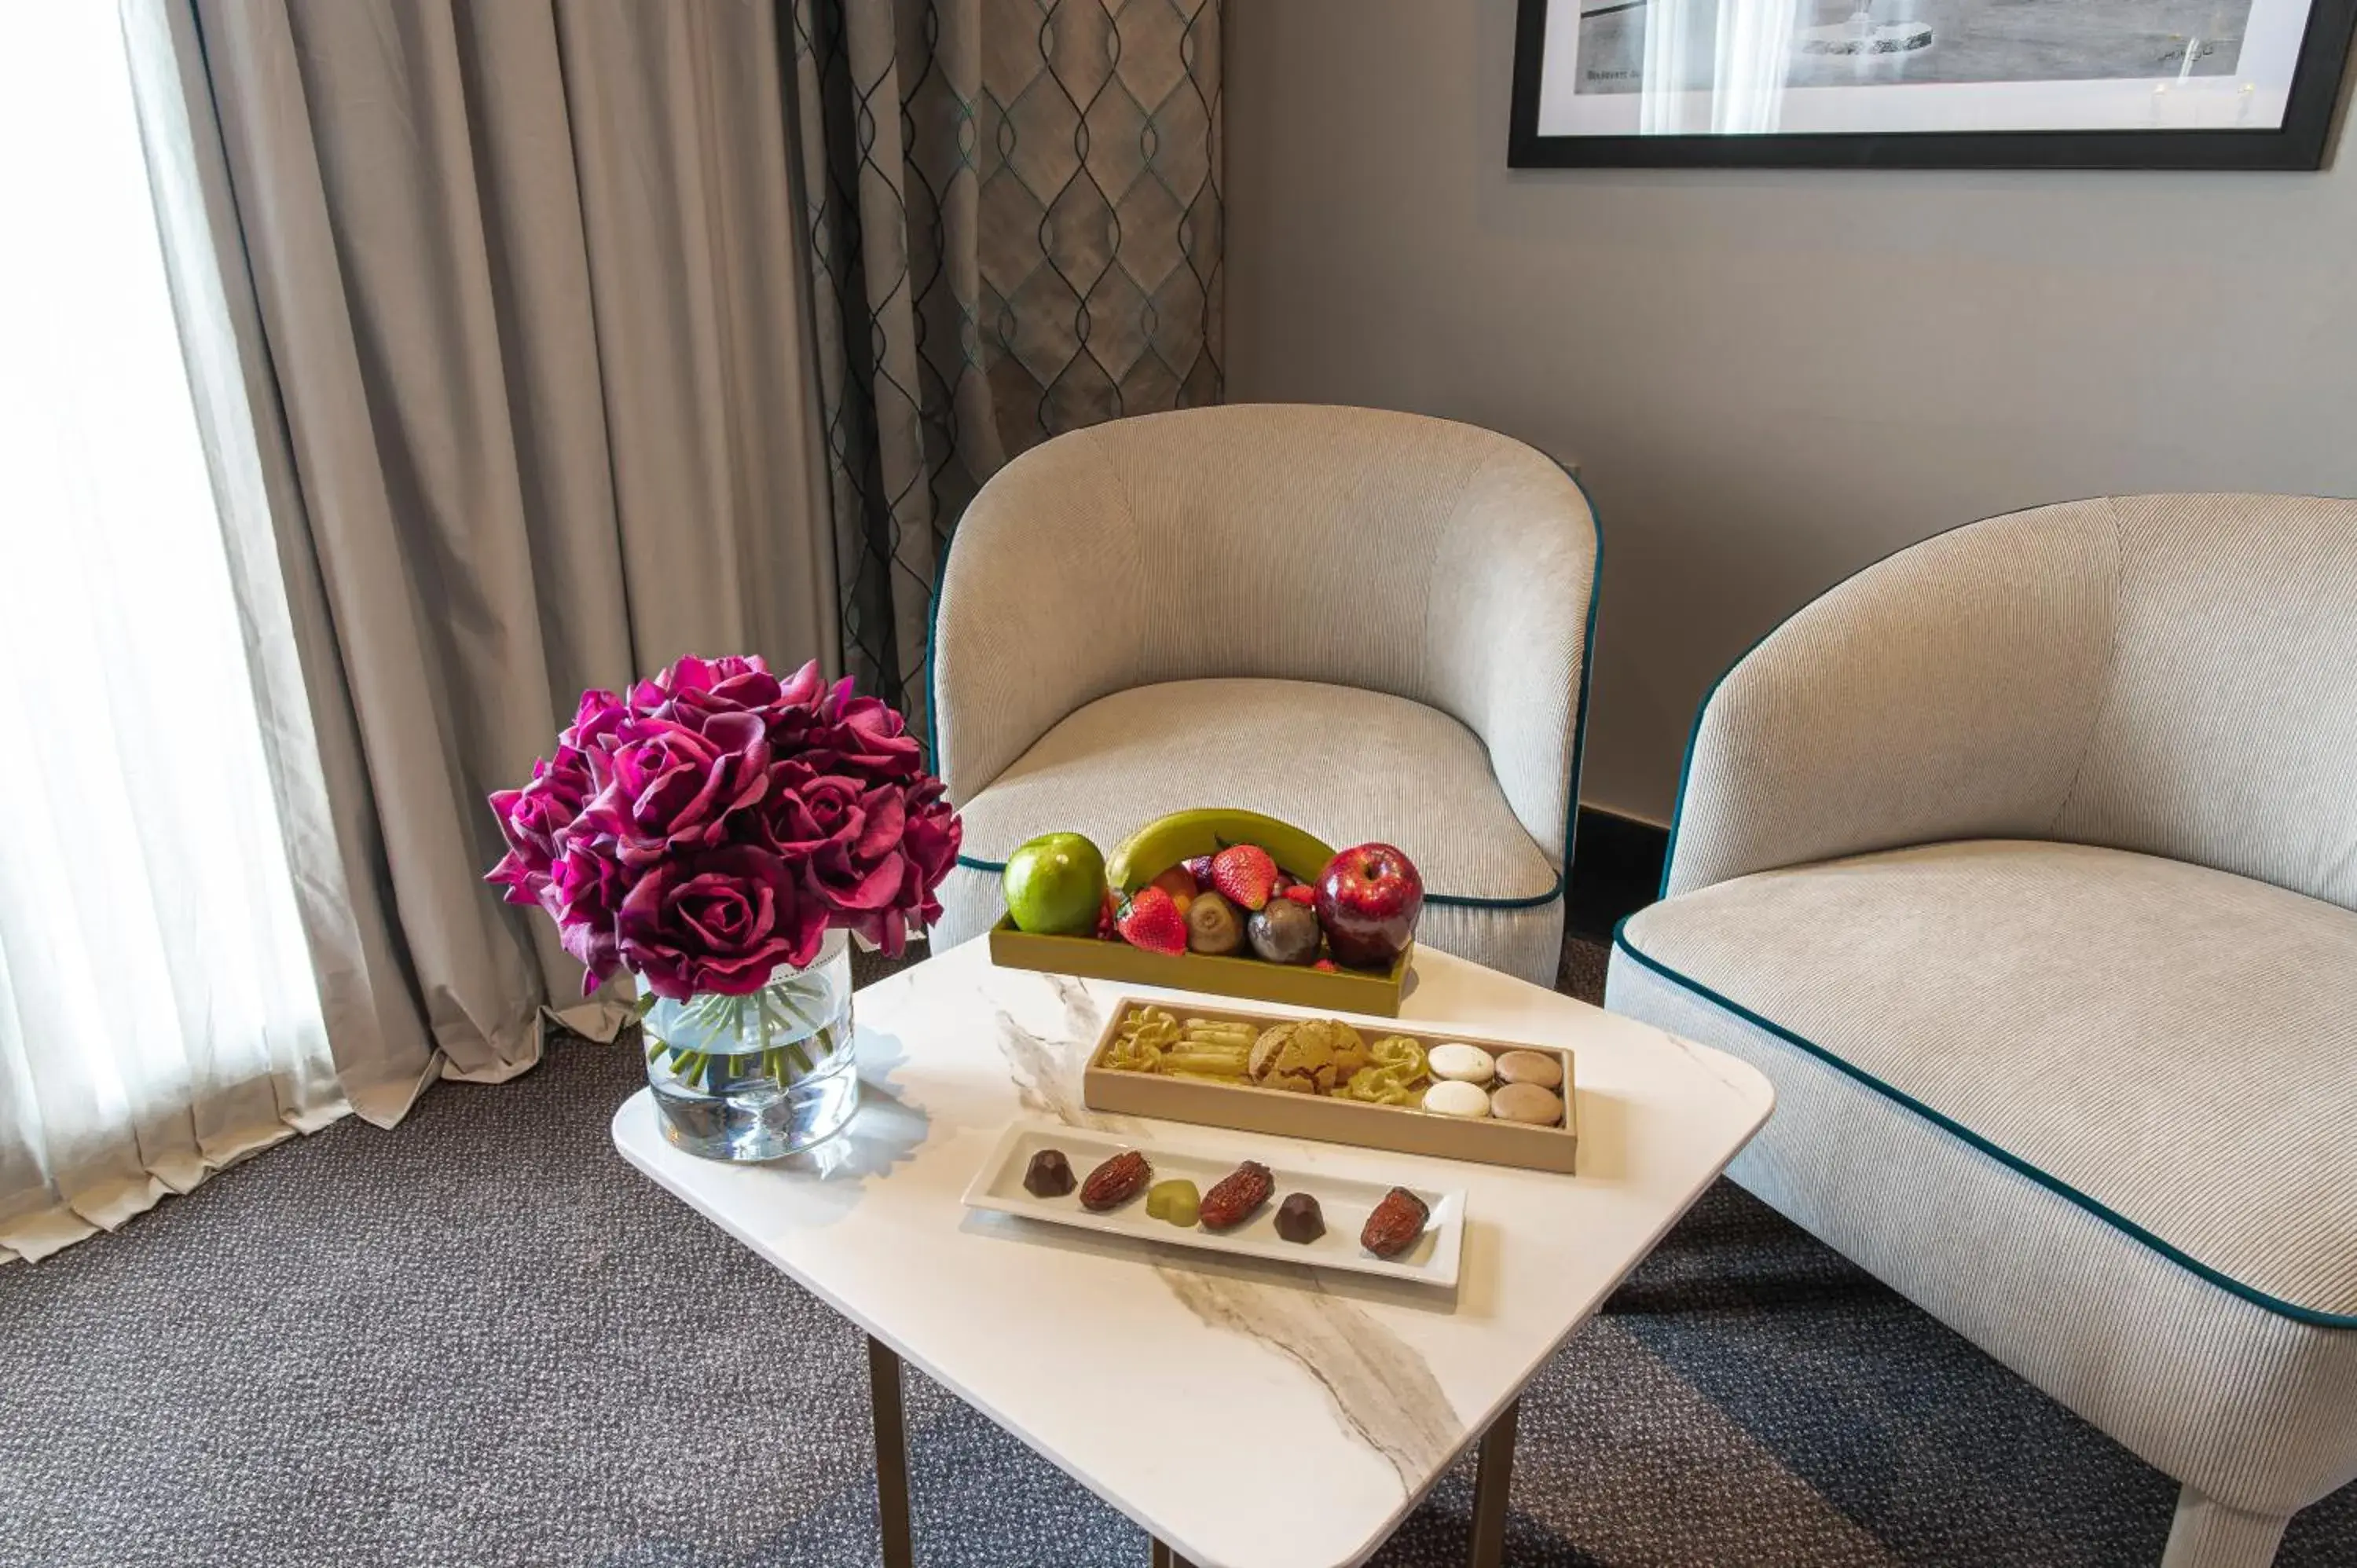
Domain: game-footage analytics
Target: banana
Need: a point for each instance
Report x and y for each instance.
(1182, 835)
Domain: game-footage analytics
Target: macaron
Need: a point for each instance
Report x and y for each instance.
(1466, 1064)
(1451, 1098)
(1526, 1103)
(1541, 1067)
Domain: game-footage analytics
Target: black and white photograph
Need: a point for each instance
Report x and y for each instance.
(2216, 82)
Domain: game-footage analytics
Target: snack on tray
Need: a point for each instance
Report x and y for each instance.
(1116, 1182)
(1175, 1200)
(1049, 1175)
(1450, 1097)
(1308, 1056)
(1526, 1103)
(1395, 1224)
(1238, 1194)
(1395, 1074)
(1470, 1063)
(1543, 1068)
(1300, 1219)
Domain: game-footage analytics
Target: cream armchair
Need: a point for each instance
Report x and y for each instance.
(2024, 863)
(1372, 625)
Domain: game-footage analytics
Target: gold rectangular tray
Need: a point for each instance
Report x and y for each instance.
(1340, 991)
(1274, 1111)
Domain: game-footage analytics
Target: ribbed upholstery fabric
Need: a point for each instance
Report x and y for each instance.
(1348, 765)
(2228, 732)
(1440, 565)
(2177, 1044)
(2247, 1406)
(2170, 1039)
(2176, 674)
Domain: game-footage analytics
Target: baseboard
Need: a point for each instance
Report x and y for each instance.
(1616, 870)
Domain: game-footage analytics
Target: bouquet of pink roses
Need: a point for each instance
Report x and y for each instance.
(713, 824)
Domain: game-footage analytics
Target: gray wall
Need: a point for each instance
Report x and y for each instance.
(1768, 379)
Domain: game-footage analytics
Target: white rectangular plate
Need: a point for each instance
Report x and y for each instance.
(1344, 1201)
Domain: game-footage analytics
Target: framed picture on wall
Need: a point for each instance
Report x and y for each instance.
(1928, 83)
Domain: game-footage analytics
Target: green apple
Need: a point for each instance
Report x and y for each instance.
(1055, 884)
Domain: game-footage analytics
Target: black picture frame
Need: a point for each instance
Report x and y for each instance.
(2299, 143)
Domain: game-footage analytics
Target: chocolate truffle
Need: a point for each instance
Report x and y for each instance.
(1049, 1175)
(1542, 1068)
(1298, 1218)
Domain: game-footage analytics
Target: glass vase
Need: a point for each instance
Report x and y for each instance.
(759, 1076)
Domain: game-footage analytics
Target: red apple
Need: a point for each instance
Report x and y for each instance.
(1367, 899)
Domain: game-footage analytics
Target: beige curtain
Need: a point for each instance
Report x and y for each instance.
(521, 336)
(1014, 216)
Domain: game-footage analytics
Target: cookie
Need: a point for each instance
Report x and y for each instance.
(1468, 1064)
(1451, 1098)
(1527, 1102)
(1542, 1068)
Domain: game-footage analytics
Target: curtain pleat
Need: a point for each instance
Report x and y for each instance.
(1013, 212)
(159, 1017)
(531, 371)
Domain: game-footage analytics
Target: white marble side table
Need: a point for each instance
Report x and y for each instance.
(1373, 1386)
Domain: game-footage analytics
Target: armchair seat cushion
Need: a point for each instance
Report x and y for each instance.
(1348, 765)
(2171, 1048)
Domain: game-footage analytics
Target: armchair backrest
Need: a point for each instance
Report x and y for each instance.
(2173, 674)
(2226, 733)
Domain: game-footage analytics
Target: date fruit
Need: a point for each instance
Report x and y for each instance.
(1300, 1219)
(1116, 1182)
(1049, 1175)
(1239, 1193)
(1395, 1224)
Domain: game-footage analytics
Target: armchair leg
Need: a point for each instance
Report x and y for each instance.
(2208, 1534)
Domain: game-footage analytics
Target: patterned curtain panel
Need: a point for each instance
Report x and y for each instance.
(1015, 215)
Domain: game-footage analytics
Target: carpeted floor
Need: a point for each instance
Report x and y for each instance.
(482, 1339)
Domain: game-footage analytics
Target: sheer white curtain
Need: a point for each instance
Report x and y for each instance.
(158, 1012)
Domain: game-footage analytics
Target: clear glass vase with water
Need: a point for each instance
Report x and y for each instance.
(759, 1076)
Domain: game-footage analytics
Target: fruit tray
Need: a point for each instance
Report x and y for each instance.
(1341, 990)
(1251, 1109)
(1345, 1202)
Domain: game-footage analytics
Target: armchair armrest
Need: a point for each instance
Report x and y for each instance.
(1947, 693)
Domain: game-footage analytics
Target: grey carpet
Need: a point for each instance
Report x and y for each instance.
(482, 1339)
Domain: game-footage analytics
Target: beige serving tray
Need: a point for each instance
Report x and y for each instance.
(1330, 1119)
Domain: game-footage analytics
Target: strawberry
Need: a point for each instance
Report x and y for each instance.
(1199, 868)
(1106, 911)
(1151, 920)
(1245, 874)
(1301, 892)
(1327, 966)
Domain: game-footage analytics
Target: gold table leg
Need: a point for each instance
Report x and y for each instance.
(1493, 1480)
(891, 1455)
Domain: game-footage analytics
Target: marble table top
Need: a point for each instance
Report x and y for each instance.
(1141, 1369)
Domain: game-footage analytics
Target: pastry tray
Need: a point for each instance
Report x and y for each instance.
(1344, 1201)
(1250, 1109)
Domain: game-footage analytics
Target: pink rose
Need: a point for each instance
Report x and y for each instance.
(533, 818)
(717, 921)
(665, 786)
(584, 897)
(695, 689)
